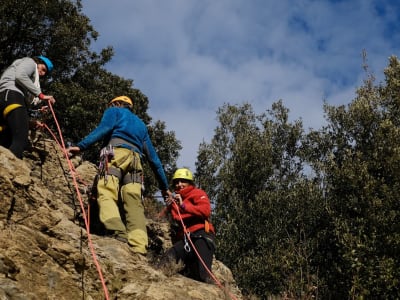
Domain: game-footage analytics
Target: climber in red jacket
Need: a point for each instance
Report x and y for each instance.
(192, 205)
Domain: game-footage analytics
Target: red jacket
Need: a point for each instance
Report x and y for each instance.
(195, 209)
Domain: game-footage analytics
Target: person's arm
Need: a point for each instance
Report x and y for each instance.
(199, 206)
(23, 73)
(158, 169)
(104, 128)
(47, 97)
(24, 70)
(101, 131)
(155, 163)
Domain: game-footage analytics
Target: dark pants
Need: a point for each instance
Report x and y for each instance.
(14, 135)
(194, 268)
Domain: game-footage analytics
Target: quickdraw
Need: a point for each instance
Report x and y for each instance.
(106, 154)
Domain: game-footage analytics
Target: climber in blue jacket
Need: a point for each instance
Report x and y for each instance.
(128, 140)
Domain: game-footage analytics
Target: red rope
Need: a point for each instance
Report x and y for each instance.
(90, 243)
(71, 167)
(187, 233)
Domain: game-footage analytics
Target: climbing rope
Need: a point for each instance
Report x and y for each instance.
(85, 218)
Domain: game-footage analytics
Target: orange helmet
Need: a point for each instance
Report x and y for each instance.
(123, 99)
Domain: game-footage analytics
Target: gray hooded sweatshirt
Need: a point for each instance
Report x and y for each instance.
(20, 77)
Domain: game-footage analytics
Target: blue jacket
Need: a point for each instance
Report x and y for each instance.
(121, 123)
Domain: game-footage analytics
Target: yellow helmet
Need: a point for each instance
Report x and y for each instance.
(183, 173)
(123, 99)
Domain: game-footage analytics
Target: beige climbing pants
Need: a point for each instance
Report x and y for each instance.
(108, 191)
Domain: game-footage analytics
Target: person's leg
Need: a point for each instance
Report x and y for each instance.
(5, 133)
(108, 205)
(178, 251)
(135, 219)
(5, 137)
(18, 124)
(131, 194)
(108, 192)
(172, 260)
(205, 248)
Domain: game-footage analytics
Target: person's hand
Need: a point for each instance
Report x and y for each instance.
(73, 150)
(178, 199)
(167, 195)
(48, 98)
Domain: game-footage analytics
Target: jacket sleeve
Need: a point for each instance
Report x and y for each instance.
(101, 131)
(196, 205)
(23, 72)
(199, 207)
(155, 163)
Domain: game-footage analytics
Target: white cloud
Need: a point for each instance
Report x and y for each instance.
(191, 57)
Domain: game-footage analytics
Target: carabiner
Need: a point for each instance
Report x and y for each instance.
(186, 246)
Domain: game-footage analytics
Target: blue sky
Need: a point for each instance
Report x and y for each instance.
(189, 57)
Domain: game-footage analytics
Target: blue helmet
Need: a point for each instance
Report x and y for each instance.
(47, 62)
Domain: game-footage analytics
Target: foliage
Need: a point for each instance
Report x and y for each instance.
(311, 215)
(361, 183)
(79, 82)
(265, 207)
(167, 150)
(55, 28)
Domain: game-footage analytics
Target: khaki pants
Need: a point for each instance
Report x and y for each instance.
(135, 228)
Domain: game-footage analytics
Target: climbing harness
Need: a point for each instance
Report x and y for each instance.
(33, 113)
(118, 142)
(206, 226)
(107, 154)
(6, 111)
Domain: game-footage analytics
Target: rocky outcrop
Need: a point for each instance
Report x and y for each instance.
(46, 252)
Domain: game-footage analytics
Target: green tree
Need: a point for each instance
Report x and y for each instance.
(79, 82)
(266, 211)
(55, 28)
(359, 156)
(310, 215)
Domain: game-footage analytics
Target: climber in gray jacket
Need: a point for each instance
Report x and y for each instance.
(19, 85)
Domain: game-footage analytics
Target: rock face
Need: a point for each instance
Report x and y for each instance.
(46, 252)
